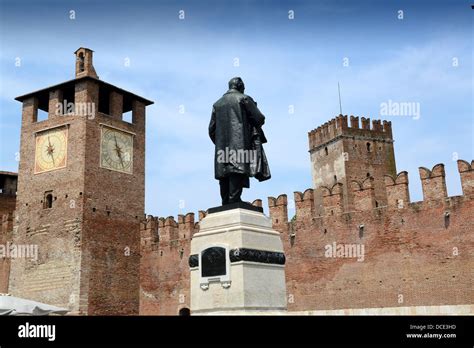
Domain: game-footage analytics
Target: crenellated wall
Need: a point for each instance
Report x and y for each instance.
(403, 253)
(466, 171)
(164, 269)
(433, 182)
(415, 253)
(344, 153)
(397, 190)
(339, 127)
(279, 208)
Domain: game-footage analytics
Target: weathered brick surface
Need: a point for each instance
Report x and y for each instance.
(415, 254)
(8, 186)
(5, 236)
(164, 269)
(433, 182)
(397, 190)
(280, 208)
(411, 252)
(467, 177)
(54, 277)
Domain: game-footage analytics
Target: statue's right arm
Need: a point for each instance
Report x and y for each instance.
(256, 117)
(212, 126)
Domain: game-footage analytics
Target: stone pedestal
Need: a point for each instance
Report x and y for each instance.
(237, 265)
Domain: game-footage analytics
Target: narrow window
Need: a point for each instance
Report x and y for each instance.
(48, 200)
(368, 147)
(127, 116)
(81, 62)
(104, 100)
(361, 231)
(326, 151)
(69, 95)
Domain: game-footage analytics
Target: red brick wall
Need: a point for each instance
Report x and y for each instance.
(7, 204)
(415, 254)
(113, 208)
(164, 269)
(5, 237)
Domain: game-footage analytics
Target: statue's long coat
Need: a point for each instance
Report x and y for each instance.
(236, 125)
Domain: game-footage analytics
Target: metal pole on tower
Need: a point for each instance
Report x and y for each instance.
(340, 104)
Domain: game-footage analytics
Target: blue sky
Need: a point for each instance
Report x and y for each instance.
(187, 63)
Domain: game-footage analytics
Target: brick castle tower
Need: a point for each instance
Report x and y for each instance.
(352, 155)
(81, 195)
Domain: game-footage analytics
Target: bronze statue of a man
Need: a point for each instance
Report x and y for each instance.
(235, 129)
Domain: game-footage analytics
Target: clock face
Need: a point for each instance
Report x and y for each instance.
(51, 150)
(116, 150)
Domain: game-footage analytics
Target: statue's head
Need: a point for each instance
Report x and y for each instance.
(237, 83)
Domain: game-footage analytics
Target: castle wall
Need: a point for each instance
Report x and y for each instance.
(415, 254)
(164, 268)
(5, 237)
(8, 186)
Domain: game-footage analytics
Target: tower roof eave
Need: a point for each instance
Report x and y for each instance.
(70, 83)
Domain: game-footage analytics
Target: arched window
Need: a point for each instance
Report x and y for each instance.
(81, 62)
(185, 312)
(48, 200)
(368, 147)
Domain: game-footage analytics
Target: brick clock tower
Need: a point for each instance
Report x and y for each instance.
(352, 155)
(81, 195)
